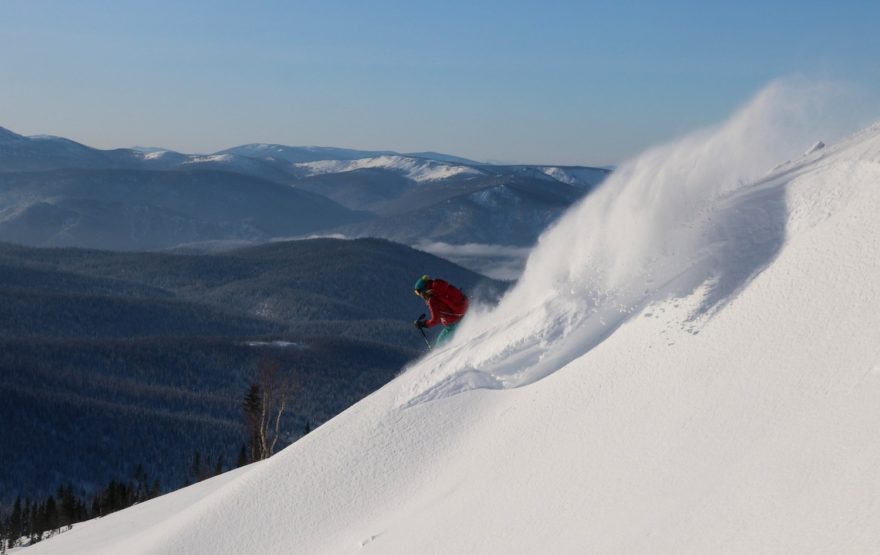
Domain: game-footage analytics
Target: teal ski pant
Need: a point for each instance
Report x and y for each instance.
(446, 335)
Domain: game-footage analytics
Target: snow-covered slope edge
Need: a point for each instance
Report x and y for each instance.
(704, 380)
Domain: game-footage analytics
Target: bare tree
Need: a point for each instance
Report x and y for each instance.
(253, 412)
(264, 405)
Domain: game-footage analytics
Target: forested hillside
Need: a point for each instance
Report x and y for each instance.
(110, 360)
(150, 210)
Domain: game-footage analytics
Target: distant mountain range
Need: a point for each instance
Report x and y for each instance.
(147, 210)
(57, 192)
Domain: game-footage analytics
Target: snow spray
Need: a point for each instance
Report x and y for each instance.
(665, 224)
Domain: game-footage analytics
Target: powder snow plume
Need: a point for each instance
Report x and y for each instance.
(683, 217)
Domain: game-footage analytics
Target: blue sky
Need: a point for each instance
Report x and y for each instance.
(549, 82)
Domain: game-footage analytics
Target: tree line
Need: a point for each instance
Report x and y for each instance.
(32, 521)
(263, 405)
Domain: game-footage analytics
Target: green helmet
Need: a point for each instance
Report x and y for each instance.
(422, 283)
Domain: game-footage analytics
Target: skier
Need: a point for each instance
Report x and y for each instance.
(446, 302)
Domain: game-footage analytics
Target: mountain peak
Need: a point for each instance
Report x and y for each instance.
(7, 135)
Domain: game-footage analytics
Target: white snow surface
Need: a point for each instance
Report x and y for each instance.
(689, 364)
(417, 169)
(209, 158)
(155, 154)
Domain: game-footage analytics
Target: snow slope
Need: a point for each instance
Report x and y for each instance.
(690, 364)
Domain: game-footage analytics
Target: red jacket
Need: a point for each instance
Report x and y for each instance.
(446, 302)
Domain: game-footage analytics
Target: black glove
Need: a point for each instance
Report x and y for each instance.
(421, 323)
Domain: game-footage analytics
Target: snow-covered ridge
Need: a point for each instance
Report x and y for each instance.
(584, 178)
(280, 162)
(209, 158)
(156, 154)
(298, 154)
(417, 169)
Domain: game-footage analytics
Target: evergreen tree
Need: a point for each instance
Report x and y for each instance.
(28, 517)
(242, 457)
(37, 521)
(142, 485)
(4, 533)
(50, 516)
(253, 412)
(155, 489)
(16, 521)
(68, 511)
(218, 468)
(201, 467)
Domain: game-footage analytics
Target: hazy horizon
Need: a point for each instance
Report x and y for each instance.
(574, 83)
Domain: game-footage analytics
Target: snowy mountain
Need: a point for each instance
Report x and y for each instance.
(137, 209)
(689, 364)
(423, 201)
(45, 152)
(419, 197)
(577, 176)
(440, 157)
(496, 210)
(299, 154)
(416, 169)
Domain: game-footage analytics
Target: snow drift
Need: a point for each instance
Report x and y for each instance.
(699, 342)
